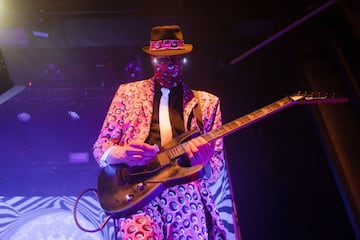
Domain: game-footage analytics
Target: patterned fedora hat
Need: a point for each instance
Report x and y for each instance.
(167, 40)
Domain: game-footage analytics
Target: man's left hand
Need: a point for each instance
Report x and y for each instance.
(199, 151)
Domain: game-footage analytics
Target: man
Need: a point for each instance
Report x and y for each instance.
(141, 118)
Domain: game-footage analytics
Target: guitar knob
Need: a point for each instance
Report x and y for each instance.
(129, 197)
(140, 186)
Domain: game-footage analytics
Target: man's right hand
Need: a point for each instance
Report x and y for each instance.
(134, 154)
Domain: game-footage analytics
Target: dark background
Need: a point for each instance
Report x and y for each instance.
(294, 174)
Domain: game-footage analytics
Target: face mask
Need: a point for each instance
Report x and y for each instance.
(167, 70)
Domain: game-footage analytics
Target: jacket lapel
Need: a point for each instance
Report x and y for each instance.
(189, 103)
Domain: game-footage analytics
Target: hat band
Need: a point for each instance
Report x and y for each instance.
(166, 44)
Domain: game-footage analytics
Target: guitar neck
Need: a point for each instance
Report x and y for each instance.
(248, 119)
(235, 125)
(242, 122)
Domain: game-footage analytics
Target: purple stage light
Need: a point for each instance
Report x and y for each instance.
(24, 116)
(74, 115)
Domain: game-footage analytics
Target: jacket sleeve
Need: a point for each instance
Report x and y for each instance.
(111, 130)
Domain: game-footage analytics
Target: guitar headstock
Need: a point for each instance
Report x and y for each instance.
(309, 98)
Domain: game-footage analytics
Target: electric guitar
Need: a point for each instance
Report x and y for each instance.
(122, 189)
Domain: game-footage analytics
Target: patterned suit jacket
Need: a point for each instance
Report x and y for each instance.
(129, 118)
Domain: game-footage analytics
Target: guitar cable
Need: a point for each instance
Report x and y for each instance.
(106, 220)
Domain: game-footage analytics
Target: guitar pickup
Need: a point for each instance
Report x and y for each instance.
(122, 176)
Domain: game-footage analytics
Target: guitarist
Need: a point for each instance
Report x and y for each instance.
(131, 134)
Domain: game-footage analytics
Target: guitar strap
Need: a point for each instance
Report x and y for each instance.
(197, 112)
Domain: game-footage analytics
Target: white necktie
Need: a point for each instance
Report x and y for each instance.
(164, 118)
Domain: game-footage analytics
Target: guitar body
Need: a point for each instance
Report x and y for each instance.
(120, 198)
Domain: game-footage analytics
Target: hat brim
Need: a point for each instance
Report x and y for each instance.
(187, 49)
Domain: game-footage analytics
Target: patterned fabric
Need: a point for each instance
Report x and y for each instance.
(139, 227)
(223, 198)
(182, 211)
(48, 217)
(166, 44)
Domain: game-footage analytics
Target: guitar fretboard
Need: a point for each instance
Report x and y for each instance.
(242, 122)
(235, 125)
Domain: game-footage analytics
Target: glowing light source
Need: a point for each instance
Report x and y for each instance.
(78, 157)
(73, 115)
(40, 34)
(24, 116)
